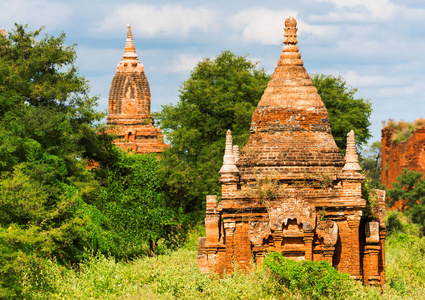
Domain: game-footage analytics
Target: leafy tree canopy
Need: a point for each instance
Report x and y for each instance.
(345, 111)
(134, 201)
(371, 163)
(410, 189)
(220, 94)
(47, 135)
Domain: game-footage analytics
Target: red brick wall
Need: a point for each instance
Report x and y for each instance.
(408, 154)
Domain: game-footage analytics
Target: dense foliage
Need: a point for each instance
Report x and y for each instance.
(52, 204)
(176, 276)
(371, 163)
(220, 94)
(345, 111)
(316, 280)
(410, 189)
(56, 209)
(136, 204)
(46, 117)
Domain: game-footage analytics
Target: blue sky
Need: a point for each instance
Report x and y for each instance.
(376, 45)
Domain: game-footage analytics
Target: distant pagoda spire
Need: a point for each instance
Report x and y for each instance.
(3, 32)
(129, 61)
(129, 50)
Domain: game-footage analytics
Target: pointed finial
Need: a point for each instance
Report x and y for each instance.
(129, 50)
(351, 158)
(229, 158)
(290, 31)
(3, 32)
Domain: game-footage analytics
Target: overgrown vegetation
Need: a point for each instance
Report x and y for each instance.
(315, 280)
(410, 190)
(175, 275)
(220, 94)
(403, 130)
(52, 206)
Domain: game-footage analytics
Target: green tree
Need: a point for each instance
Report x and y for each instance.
(345, 111)
(410, 189)
(136, 204)
(371, 163)
(47, 128)
(220, 94)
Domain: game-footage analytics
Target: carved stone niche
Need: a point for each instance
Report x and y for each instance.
(372, 232)
(291, 209)
(328, 230)
(258, 231)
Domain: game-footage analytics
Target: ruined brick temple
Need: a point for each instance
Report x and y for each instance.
(130, 105)
(291, 190)
(397, 156)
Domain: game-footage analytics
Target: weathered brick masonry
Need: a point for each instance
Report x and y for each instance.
(291, 190)
(408, 154)
(130, 105)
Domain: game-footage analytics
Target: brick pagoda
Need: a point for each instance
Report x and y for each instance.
(130, 105)
(291, 190)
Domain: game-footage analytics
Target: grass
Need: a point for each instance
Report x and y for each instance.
(175, 275)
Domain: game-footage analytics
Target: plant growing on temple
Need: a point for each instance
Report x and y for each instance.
(345, 111)
(410, 190)
(220, 94)
(371, 197)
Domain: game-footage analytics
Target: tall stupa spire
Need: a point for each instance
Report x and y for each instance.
(129, 50)
(3, 32)
(291, 86)
(291, 116)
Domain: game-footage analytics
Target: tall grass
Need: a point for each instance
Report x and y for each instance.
(175, 275)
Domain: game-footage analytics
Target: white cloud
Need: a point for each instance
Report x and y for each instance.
(266, 26)
(414, 91)
(184, 63)
(363, 10)
(102, 59)
(356, 80)
(35, 13)
(157, 20)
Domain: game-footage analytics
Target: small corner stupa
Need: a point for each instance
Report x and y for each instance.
(130, 104)
(291, 190)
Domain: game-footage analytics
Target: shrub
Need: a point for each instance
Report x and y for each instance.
(317, 280)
